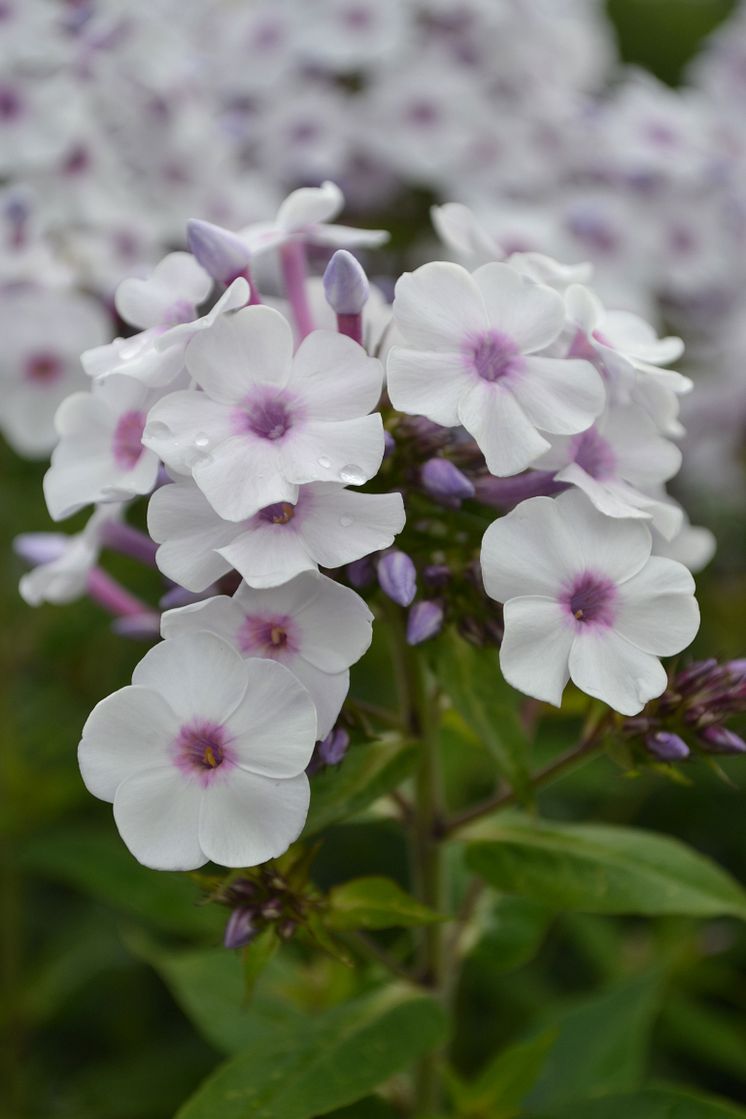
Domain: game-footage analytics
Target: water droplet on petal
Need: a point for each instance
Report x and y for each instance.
(325, 462)
(345, 520)
(352, 475)
(157, 430)
(201, 440)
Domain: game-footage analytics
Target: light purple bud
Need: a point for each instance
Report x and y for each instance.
(333, 748)
(360, 573)
(506, 493)
(180, 596)
(666, 746)
(424, 621)
(37, 548)
(720, 740)
(345, 284)
(694, 674)
(397, 577)
(445, 481)
(240, 929)
(138, 627)
(221, 253)
(389, 444)
(736, 668)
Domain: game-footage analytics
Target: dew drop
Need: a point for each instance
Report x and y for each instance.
(201, 440)
(325, 462)
(157, 430)
(352, 475)
(345, 520)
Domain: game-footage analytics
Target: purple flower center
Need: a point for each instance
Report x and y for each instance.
(267, 636)
(200, 748)
(11, 105)
(126, 445)
(43, 368)
(590, 600)
(594, 454)
(266, 413)
(493, 356)
(280, 513)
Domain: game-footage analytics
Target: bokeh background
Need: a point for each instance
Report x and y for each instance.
(98, 1024)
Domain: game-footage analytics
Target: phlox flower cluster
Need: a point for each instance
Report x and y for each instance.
(516, 116)
(278, 435)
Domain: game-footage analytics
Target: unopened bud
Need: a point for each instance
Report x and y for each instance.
(445, 481)
(240, 929)
(37, 548)
(360, 573)
(333, 748)
(345, 284)
(720, 740)
(666, 746)
(424, 621)
(398, 577)
(695, 674)
(221, 253)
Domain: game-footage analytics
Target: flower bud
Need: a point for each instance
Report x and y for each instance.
(389, 444)
(397, 577)
(333, 748)
(720, 740)
(666, 746)
(360, 573)
(424, 621)
(694, 675)
(240, 929)
(37, 548)
(445, 481)
(221, 253)
(138, 627)
(345, 284)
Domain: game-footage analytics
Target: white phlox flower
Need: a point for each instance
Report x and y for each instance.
(43, 331)
(327, 526)
(307, 216)
(267, 420)
(585, 600)
(312, 625)
(100, 455)
(62, 563)
(619, 463)
(155, 356)
(203, 756)
(471, 357)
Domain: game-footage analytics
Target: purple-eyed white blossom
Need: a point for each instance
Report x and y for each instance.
(471, 356)
(312, 625)
(269, 420)
(62, 563)
(585, 600)
(100, 455)
(203, 756)
(327, 526)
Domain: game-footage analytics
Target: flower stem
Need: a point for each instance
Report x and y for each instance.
(293, 264)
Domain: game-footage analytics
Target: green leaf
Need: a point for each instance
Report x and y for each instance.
(473, 682)
(512, 935)
(323, 1062)
(604, 869)
(601, 1043)
(368, 772)
(649, 1103)
(501, 1087)
(256, 956)
(97, 862)
(376, 903)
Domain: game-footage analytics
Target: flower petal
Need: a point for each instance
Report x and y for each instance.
(176, 420)
(249, 819)
(125, 733)
(657, 610)
(560, 395)
(190, 534)
(198, 674)
(615, 549)
(425, 383)
(505, 436)
(344, 525)
(267, 555)
(335, 377)
(536, 647)
(242, 476)
(530, 551)
(274, 725)
(529, 313)
(347, 451)
(248, 347)
(438, 306)
(327, 690)
(157, 814)
(605, 665)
